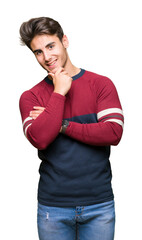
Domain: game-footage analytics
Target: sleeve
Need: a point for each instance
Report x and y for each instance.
(109, 127)
(45, 128)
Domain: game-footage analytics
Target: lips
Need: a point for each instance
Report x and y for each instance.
(51, 63)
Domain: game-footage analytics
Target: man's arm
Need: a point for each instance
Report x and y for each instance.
(98, 134)
(41, 129)
(108, 130)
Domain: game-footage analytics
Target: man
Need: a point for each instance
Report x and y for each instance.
(72, 117)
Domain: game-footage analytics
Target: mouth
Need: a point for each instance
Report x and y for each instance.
(52, 64)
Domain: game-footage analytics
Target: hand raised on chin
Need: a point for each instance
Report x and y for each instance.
(61, 80)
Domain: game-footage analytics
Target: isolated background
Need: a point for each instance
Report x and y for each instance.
(105, 37)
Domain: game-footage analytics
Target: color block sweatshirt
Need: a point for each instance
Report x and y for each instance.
(75, 168)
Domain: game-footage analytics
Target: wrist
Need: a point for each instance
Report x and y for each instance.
(65, 124)
(59, 92)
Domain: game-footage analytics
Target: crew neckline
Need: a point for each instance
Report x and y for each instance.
(78, 75)
(75, 77)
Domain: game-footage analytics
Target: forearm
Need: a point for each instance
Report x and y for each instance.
(98, 134)
(108, 128)
(45, 128)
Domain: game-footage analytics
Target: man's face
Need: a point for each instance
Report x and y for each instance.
(50, 52)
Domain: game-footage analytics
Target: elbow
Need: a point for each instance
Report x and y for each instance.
(117, 136)
(41, 146)
(38, 143)
(116, 141)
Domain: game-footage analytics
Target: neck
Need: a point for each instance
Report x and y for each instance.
(70, 68)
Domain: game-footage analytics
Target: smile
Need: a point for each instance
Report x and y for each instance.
(52, 63)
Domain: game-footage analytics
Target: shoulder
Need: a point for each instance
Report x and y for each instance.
(34, 91)
(98, 78)
(98, 81)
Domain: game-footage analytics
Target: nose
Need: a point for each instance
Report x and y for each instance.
(47, 56)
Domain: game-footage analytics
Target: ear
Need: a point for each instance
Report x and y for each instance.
(65, 41)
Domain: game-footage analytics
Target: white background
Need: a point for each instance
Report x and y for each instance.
(105, 37)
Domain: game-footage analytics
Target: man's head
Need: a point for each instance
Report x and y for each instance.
(39, 26)
(45, 37)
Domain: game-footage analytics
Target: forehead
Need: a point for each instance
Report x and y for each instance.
(40, 41)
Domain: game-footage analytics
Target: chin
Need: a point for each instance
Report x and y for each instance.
(53, 70)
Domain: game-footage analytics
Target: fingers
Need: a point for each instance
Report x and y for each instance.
(59, 70)
(34, 116)
(36, 112)
(50, 76)
(39, 108)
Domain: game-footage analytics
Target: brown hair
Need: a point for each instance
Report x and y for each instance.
(39, 26)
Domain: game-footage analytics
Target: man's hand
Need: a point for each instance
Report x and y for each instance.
(62, 81)
(36, 112)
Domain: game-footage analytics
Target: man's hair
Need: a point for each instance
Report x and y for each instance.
(39, 26)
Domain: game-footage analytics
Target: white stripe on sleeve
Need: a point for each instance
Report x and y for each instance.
(27, 129)
(26, 120)
(109, 111)
(116, 120)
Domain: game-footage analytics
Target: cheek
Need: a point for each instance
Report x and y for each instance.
(39, 59)
(61, 52)
(63, 56)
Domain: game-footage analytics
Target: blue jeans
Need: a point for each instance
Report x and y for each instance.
(94, 222)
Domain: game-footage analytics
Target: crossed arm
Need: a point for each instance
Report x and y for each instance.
(48, 119)
(102, 133)
(37, 110)
(107, 131)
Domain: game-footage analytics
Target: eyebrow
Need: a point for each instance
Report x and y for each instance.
(45, 46)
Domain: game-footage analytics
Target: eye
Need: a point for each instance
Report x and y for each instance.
(51, 47)
(38, 52)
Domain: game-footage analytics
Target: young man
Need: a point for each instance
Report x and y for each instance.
(72, 117)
